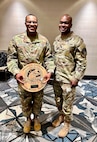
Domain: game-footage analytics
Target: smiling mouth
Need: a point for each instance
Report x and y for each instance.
(31, 28)
(63, 29)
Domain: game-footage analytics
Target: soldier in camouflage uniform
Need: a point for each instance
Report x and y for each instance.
(70, 59)
(25, 48)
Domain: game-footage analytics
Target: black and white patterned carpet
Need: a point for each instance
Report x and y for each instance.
(83, 127)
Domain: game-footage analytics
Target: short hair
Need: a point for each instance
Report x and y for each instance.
(30, 15)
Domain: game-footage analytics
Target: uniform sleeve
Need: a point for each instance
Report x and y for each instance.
(80, 59)
(12, 58)
(49, 62)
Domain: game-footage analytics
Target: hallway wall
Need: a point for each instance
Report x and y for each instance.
(84, 13)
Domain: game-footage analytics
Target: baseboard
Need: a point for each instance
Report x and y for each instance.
(87, 77)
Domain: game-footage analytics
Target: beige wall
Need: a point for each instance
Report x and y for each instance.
(84, 13)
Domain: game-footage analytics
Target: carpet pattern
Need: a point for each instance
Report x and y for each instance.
(83, 126)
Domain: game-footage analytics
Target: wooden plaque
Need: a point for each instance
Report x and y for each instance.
(33, 76)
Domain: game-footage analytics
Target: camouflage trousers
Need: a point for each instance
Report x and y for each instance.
(31, 102)
(64, 97)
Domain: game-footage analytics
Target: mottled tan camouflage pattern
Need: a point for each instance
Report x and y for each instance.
(64, 97)
(22, 51)
(31, 102)
(70, 59)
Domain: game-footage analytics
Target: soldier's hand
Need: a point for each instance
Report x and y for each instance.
(47, 77)
(74, 82)
(19, 78)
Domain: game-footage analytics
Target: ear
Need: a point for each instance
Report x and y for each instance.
(25, 24)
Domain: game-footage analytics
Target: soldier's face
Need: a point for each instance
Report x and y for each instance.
(65, 24)
(31, 24)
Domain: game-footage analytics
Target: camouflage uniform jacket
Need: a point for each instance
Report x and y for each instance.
(70, 57)
(22, 51)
